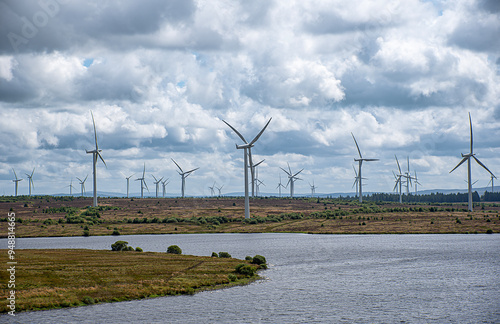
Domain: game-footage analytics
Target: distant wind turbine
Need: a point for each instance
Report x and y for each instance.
(258, 182)
(30, 181)
(95, 153)
(71, 187)
(164, 184)
(220, 190)
(416, 182)
(143, 181)
(247, 154)
(212, 191)
(16, 180)
(399, 178)
(492, 183)
(291, 178)
(466, 157)
(313, 189)
(128, 182)
(254, 176)
(82, 184)
(360, 161)
(280, 185)
(183, 175)
(157, 183)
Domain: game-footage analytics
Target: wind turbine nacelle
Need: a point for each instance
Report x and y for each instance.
(239, 147)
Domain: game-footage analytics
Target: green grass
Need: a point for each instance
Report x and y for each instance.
(48, 279)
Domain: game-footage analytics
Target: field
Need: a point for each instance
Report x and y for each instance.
(71, 216)
(48, 279)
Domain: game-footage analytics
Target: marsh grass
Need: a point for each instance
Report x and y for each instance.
(48, 279)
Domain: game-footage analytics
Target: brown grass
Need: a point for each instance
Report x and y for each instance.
(62, 278)
(29, 210)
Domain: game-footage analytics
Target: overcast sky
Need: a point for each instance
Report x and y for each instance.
(160, 76)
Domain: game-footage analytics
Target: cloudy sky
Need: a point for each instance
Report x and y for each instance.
(160, 76)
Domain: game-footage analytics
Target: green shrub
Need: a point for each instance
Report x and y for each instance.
(259, 259)
(129, 248)
(231, 277)
(174, 249)
(489, 231)
(138, 249)
(119, 246)
(248, 258)
(116, 232)
(224, 255)
(214, 255)
(245, 269)
(86, 232)
(88, 300)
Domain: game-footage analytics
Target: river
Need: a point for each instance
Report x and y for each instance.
(314, 279)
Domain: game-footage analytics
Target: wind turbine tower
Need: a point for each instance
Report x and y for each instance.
(71, 187)
(30, 181)
(82, 184)
(313, 189)
(157, 183)
(16, 180)
(220, 190)
(492, 183)
(143, 181)
(254, 176)
(280, 185)
(399, 177)
(212, 191)
(467, 157)
(360, 161)
(183, 175)
(95, 153)
(291, 178)
(247, 154)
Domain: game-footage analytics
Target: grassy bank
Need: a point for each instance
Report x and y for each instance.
(48, 279)
(71, 216)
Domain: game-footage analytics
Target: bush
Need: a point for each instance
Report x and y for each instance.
(119, 246)
(489, 231)
(88, 300)
(214, 255)
(174, 249)
(129, 248)
(259, 259)
(245, 269)
(86, 232)
(116, 232)
(224, 255)
(248, 258)
(231, 277)
(138, 249)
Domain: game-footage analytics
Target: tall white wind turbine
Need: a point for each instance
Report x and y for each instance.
(254, 176)
(220, 190)
(360, 161)
(247, 154)
(492, 183)
(416, 182)
(143, 181)
(16, 180)
(212, 191)
(30, 181)
(82, 184)
(291, 178)
(399, 180)
(95, 153)
(313, 189)
(157, 183)
(467, 157)
(71, 187)
(183, 175)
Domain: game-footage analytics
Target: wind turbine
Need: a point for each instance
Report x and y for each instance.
(183, 175)
(82, 183)
(280, 185)
(247, 154)
(164, 184)
(313, 189)
(399, 177)
(143, 181)
(220, 190)
(71, 187)
(95, 153)
(466, 157)
(356, 180)
(157, 183)
(291, 178)
(254, 176)
(128, 180)
(30, 180)
(258, 182)
(212, 191)
(492, 183)
(416, 182)
(360, 161)
(16, 181)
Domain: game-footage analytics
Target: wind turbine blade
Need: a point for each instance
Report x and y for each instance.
(191, 170)
(463, 160)
(15, 175)
(237, 133)
(262, 131)
(85, 178)
(289, 169)
(79, 179)
(471, 141)
(289, 174)
(177, 165)
(100, 156)
(357, 146)
(256, 165)
(32, 172)
(298, 173)
(154, 178)
(479, 162)
(95, 132)
(370, 160)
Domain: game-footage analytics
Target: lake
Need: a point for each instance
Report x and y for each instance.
(314, 279)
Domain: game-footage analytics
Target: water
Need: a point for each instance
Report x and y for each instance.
(315, 279)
